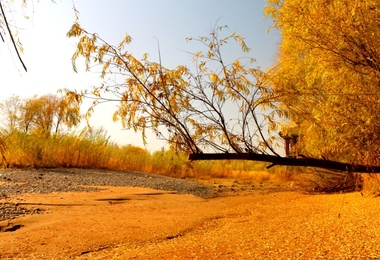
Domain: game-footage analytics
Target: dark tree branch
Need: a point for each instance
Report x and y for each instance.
(286, 161)
(12, 39)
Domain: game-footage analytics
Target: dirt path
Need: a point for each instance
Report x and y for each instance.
(140, 223)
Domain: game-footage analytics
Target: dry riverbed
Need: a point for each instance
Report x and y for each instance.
(89, 214)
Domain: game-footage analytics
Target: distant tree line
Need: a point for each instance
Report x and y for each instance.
(48, 114)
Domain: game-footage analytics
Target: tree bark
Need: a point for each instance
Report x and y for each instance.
(287, 161)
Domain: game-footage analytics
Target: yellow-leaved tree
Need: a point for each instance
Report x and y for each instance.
(217, 105)
(47, 114)
(328, 75)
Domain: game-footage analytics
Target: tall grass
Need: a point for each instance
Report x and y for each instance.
(93, 149)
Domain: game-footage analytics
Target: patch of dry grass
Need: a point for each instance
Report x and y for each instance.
(93, 149)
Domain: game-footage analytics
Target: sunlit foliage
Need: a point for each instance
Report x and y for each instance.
(217, 105)
(49, 114)
(328, 75)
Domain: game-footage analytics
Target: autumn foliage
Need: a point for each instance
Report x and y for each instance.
(328, 76)
(217, 105)
(323, 88)
(36, 133)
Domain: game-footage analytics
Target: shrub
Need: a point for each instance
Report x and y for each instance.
(334, 181)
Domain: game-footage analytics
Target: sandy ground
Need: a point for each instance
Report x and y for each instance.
(140, 223)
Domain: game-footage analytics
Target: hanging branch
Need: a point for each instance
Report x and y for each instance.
(12, 39)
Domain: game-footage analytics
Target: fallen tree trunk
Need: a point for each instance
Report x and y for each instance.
(287, 161)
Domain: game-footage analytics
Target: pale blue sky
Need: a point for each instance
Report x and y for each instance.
(48, 51)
